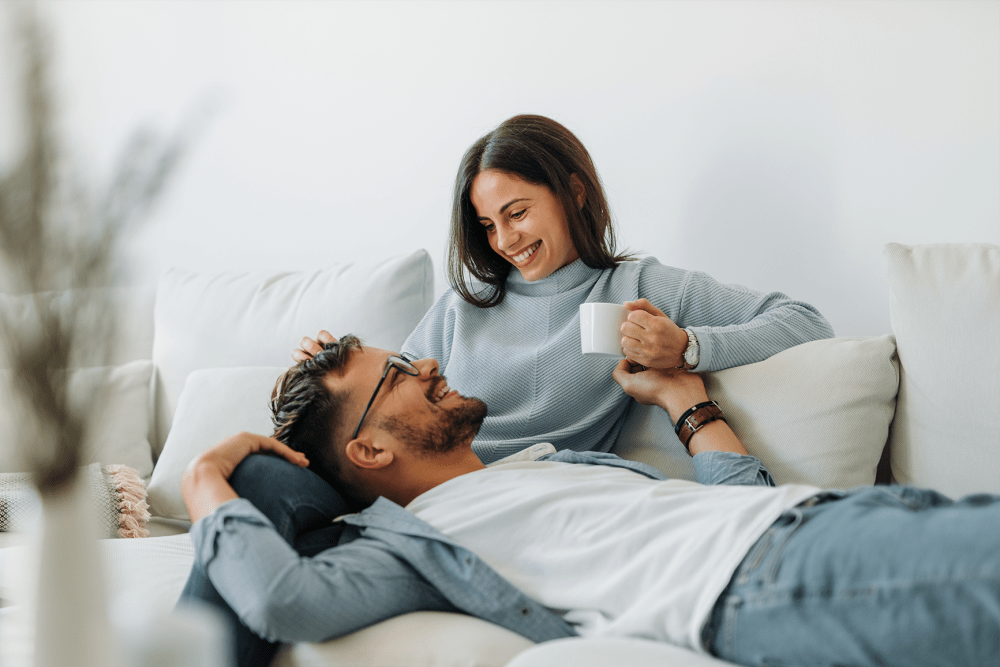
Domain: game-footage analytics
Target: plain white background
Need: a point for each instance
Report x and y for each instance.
(775, 144)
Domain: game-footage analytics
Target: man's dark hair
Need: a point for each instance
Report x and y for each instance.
(308, 417)
(540, 151)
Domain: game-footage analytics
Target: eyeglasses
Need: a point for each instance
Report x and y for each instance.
(400, 363)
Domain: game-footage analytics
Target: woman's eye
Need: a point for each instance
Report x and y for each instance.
(517, 215)
(490, 227)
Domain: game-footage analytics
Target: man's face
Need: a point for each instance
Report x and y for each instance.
(420, 411)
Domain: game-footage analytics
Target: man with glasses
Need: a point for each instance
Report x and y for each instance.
(549, 548)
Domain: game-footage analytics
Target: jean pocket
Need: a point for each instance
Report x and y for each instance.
(761, 563)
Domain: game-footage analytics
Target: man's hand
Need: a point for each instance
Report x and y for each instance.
(673, 390)
(205, 484)
(309, 348)
(651, 338)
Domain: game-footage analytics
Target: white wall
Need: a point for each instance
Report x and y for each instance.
(774, 144)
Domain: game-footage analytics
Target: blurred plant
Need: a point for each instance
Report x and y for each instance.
(57, 234)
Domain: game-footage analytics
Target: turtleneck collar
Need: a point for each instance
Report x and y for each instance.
(572, 275)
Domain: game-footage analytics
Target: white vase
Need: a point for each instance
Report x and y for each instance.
(69, 606)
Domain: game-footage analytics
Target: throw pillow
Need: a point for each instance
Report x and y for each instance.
(215, 403)
(944, 306)
(817, 413)
(119, 432)
(119, 500)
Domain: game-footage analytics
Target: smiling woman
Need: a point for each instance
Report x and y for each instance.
(531, 240)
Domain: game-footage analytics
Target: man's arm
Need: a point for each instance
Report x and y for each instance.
(675, 391)
(724, 459)
(205, 484)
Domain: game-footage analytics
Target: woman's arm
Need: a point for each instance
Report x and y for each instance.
(733, 325)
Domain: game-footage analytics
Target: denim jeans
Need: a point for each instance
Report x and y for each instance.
(881, 576)
(301, 505)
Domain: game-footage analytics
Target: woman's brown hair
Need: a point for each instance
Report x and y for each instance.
(540, 151)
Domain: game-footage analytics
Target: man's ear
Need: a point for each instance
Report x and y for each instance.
(579, 191)
(368, 454)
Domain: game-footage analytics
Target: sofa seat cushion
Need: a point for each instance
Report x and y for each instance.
(944, 306)
(145, 579)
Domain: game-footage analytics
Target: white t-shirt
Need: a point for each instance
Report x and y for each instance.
(616, 553)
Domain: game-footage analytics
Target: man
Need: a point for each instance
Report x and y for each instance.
(568, 543)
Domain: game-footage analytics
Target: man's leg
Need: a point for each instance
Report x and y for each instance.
(885, 576)
(302, 506)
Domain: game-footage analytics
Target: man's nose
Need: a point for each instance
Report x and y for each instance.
(427, 367)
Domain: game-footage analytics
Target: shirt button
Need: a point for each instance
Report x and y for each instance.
(525, 611)
(468, 561)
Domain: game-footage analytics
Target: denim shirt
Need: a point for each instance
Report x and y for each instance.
(387, 562)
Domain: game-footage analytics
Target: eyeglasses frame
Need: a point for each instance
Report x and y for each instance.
(401, 362)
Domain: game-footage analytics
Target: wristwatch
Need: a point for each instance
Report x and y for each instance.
(692, 353)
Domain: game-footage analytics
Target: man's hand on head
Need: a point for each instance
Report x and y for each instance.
(673, 390)
(205, 484)
(309, 348)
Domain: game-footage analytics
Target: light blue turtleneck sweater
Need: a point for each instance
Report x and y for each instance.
(523, 357)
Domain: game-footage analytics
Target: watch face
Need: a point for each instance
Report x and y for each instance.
(691, 355)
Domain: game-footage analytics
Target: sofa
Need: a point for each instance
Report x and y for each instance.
(199, 353)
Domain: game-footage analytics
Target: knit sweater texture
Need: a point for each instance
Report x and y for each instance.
(523, 357)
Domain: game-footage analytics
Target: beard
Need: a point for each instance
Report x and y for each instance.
(454, 428)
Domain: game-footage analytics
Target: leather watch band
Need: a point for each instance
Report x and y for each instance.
(695, 418)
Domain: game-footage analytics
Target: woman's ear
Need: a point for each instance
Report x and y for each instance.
(368, 454)
(579, 191)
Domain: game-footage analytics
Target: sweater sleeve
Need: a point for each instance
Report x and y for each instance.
(734, 325)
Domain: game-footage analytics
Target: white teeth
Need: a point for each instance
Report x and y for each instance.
(527, 253)
(442, 392)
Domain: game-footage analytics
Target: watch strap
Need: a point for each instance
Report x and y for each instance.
(695, 418)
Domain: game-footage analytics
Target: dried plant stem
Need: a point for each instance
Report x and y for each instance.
(55, 236)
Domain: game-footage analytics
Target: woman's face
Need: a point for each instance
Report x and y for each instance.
(525, 223)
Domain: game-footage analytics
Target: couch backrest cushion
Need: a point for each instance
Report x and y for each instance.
(133, 307)
(817, 413)
(944, 305)
(224, 319)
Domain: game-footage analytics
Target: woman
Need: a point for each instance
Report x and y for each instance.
(531, 240)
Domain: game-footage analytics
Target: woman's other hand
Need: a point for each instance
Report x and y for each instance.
(651, 338)
(309, 348)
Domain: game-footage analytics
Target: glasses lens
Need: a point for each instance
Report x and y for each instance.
(404, 365)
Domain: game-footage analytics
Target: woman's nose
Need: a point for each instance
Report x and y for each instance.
(506, 237)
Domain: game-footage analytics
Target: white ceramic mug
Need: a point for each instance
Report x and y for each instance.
(600, 329)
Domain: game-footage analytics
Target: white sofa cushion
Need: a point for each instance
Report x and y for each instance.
(605, 652)
(133, 307)
(420, 639)
(944, 306)
(205, 320)
(120, 429)
(215, 403)
(817, 413)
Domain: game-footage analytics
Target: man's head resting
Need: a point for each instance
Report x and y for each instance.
(414, 431)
